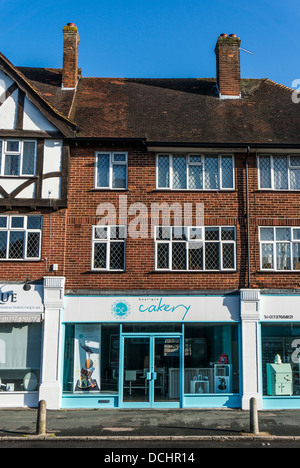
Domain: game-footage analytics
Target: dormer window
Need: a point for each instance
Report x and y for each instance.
(17, 157)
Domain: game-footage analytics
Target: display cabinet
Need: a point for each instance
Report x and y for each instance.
(199, 386)
(222, 378)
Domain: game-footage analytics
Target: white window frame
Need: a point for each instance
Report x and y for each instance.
(107, 241)
(188, 163)
(189, 241)
(26, 230)
(274, 242)
(289, 167)
(112, 162)
(20, 153)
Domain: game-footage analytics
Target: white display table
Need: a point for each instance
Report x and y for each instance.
(199, 386)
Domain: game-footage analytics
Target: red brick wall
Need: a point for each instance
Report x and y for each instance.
(53, 250)
(270, 208)
(71, 230)
(221, 208)
(70, 56)
(228, 65)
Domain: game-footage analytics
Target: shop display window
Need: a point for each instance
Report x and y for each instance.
(207, 359)
(280, 359)
(211, 360)
(91, 358)
(20, 355)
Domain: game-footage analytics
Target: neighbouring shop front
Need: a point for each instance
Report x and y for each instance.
(21, 316)
(280, 350)
(151, 351)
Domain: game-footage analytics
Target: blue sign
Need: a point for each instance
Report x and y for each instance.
(164, 307)
(120, 309)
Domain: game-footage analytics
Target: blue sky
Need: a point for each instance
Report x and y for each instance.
(157, 38)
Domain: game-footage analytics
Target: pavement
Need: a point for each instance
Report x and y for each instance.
(149, 424)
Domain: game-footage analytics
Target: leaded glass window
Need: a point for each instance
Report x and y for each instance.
(20, 237)
(108, 247)
(195, 172)
(279, 172)
(279, 248)
(195, 248)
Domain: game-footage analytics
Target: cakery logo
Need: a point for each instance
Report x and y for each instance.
(120, 309)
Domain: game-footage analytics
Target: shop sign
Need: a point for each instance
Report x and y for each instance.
(10, 296)
(280, 308)
(163, 305)
(13, 298)
(151, 308)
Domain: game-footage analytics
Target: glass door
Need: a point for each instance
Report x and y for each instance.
(167, 374)
(136, 378)
(151, 371)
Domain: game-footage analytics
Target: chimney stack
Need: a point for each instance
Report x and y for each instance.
(70, 56)
(228, 66)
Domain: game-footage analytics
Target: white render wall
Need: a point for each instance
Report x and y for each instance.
(8, 109)
(33, 120)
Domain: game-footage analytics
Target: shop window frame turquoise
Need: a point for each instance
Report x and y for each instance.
(186, 399)
(281, 364)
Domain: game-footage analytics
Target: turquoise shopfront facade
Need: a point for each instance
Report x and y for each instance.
(154, 351)
(280, 350)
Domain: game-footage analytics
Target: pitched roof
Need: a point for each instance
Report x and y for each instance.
(34, 91)
(178, 111)
(48, 83)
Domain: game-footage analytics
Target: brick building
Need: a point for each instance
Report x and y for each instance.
(149, 238)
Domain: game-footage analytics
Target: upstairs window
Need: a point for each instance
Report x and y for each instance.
(20, 237)
(195, 248)
(111, 170)
(195, 172)
(279, 248)
(108, 247)
(17, 157)
(280, 172)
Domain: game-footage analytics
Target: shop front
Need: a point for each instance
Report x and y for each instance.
(151, 351)
(21, 317)
(280, 350)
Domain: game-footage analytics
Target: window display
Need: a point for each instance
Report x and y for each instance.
(150, 363)
(280, 360)
(20, 354)
(211, 359)
(87, 357)
(91, 361)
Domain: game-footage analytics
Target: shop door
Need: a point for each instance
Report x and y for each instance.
(151, 374)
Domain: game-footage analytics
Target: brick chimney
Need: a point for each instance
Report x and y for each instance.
(228, 66)
(70, 56)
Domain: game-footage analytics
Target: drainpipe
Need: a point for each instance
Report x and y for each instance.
(247, 211)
